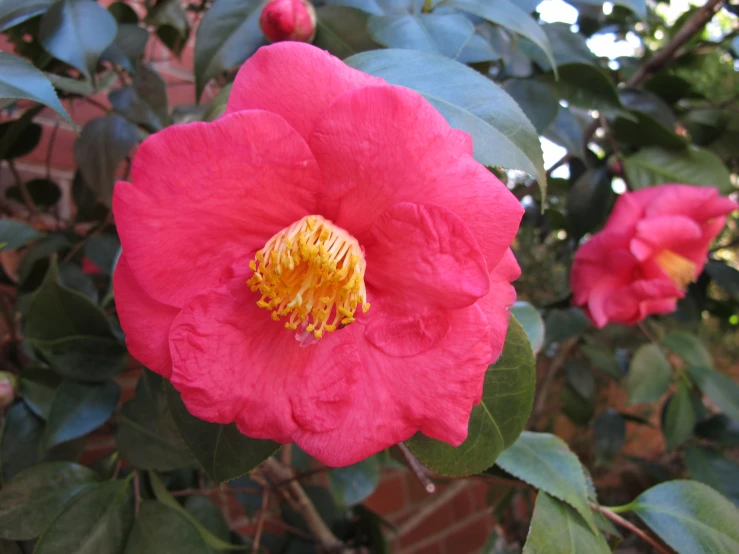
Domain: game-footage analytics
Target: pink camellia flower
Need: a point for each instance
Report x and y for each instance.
(325, 264)
(8, 384)
(654, 244)
(288, 20)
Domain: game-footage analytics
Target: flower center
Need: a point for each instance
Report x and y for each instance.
(312, 273)
(680, 270)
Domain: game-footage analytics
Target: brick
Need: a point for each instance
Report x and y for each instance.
(62, 152)
(416, 491)
(470, 537)
(462, 504)
(439, 519)
(433, 548)
(389, 496)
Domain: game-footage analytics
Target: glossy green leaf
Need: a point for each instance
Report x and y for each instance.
(688, 347)
(222, 450)
(538, 100)
(172, 23)
(557, 529)
(720, 429)
(546, 462)
(82, 87)
(567, 47)
(208, 515)
(565, 324)
(102, 146)
(162, 530)
(16, 234)
(692, 166)
(587, 87)
(602, 359)
(690, 517)
(77, 32)
(532, 323)
(725, 276)
(722, 390)
(645, 130)
(679, 417)
(9, 547)
(147, 434)
(649, 375)
(227, 35)
(342, 30)
(145, 101)
(128, 47)
(37, 386)
(576, 407)
(26, 140)
(443, 34)
(711, 467)
(21, 80)
(77, 409)
(568, 131)
(44, 192)
(609, 435)
(588, 201)
(72, 333)
(497, 421)
(580, 378)
(352, 484)
(37, 495)
(97, 521)
(13, 12)
(501, 133)
(103, 250)
(639, 7)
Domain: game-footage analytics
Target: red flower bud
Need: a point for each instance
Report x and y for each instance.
(7, 389)
(288, 20)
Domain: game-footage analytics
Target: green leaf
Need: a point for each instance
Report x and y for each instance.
(497, 421)
(72, 333)
(568, 131)
(16, 234)
(44, 193)
(679, 417)
(103, 251)
(443, 34)
(147, 434)
(20, 80)
(222, 450)
(507, 14)
(537, 99)
(227, 35)
(162, 530)
(501, 133)
(37, 495)
(557, 529)
(14, 12)
(128, 47)
(565, 324)
(37, 386)
(693, 166)
(723, 391)
(587, 87)
(690, 517)
(145, 101)
(546, 462)
(102, 146)
(9, 547)
(603, 359)
(719, 429)
(173, 25)
(579, 409)
(580, 378)
(77, 32)
(532, 323)
(649, 375)
(639, 7)
(352, 484)
(609, 433)
(588, 201)
(79, 408)
(208, 515)
(25, 142)
(342, 30)
(725, 276)
(645, 130)
(568, 47)
(688, 347)
(97, 521)
(709, 466)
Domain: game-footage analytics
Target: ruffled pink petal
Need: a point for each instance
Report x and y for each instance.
(426, 255)
(697, 251)
(296, 81)
(630, 304)
(232, 362)
(145, 321)
(432, 391)
(204, 195)
(687, 200)
(663, 232)
(629, 208)
(378, 146)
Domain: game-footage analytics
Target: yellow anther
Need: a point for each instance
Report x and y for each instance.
(680, 270)
(253, 265)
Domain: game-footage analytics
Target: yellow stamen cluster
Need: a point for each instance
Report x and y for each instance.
(680, 270)
(312, 273)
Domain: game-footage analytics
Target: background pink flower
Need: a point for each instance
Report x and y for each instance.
(426, 227)
(654, 244)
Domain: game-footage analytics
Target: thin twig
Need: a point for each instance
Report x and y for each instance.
(260, 522)
(615, 518)
(136, 493)
(27, 199)
(554, 367)
(96, 231)
(648, 332)
(117, 469)
(49, 150)
(418, 468)
(226, 490)
(430, 507)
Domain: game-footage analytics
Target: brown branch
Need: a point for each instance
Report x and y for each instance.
(52, 140)
(27, 199)
(296, 496)
(615, 518)
(226, 490)
(260, 522)
(431, 507)
(554, 367)
(418, 468)
(136, 494)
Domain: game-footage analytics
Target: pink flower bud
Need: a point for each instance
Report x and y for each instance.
(288, 20)
(7, 389)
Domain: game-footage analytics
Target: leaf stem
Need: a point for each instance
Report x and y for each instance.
(418, 468)
(427, 5)
(618, 509)
(615, 518)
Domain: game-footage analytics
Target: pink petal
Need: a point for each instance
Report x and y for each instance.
(204, 195)
(663, 232)
(433, 391)
(145, 321)
(378, 146)
(426, 255)
(631, 303)
(296, 81)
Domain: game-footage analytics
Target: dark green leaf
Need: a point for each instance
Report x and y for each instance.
(679, 417)
(82, 87)
(123, 13)
(723, 391)
(44, 193)
(693, 166)
(342, 30)
(77, 32)
(501, 133)
(144, 102)
(532, 323)
(227, 35)
(580, 379)
(173, 25)
(352, 484)
(222, 450)
(546, 462)
(102, 146)
(720, 429)
(72, 277)
(97, 521)
(37, 495)
(24, 143)
(609, 431)
(20, 80)
(649, 375)
(648, 103)
(208, 515)
(497, 421)
(688, 347)
(128, 47)
(709, 466)
(13, 12)
(580, 410)
(557, 529)
(9, 547)
(725, 276)
(322, 500)
(588, 201)
(567, 47)
(568, 130)
(162, 530)
(15, 234)
(537, 99)
(690, 517)
(603, 359)
(37, 386)
(644, 130)
(103, 251)
(79, 408)
(147, 434)
(587, 87)
(565, 324)
(444, 34)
